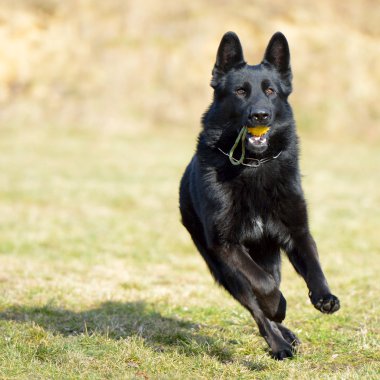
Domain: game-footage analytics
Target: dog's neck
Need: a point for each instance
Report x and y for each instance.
(253, 162)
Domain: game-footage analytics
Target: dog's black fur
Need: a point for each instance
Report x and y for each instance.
(240, 217)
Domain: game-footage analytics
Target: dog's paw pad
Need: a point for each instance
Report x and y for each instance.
(328, 304)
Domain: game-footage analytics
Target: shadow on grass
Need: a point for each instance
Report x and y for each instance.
(116, 320)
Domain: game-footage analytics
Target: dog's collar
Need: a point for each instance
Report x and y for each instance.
(256, 161)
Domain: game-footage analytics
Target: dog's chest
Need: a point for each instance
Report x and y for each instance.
(252, 215)
(255, 228)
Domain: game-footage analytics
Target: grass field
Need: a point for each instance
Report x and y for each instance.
(99, 279)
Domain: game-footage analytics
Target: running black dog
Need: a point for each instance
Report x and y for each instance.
(241, 197)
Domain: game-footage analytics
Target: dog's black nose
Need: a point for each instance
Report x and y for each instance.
(260, 116)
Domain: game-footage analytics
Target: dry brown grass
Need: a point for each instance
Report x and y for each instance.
(132, 64)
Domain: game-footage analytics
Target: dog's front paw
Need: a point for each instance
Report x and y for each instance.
(285, 352)
(289, 336)
(326, 304)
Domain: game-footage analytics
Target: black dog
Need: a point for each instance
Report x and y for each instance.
(241, 212)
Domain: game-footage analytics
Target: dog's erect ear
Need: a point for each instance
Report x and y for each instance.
(277, 55)
(230, 54)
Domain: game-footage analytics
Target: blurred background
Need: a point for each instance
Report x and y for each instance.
(124, 64)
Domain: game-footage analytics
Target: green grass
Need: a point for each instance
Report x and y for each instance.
(99, 279)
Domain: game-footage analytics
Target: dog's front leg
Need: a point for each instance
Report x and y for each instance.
(255, 289)
(303, 254)
(235, 258)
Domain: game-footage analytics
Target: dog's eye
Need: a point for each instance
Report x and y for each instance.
(269, 91)
(240, 92)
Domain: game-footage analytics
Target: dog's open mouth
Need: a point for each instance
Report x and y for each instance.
(254, 137)
(257, 136)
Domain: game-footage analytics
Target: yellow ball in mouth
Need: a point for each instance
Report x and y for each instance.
(258, 130)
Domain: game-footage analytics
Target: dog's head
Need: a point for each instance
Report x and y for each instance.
(251, 96)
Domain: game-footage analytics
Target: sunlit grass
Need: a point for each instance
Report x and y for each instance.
(99, 279)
